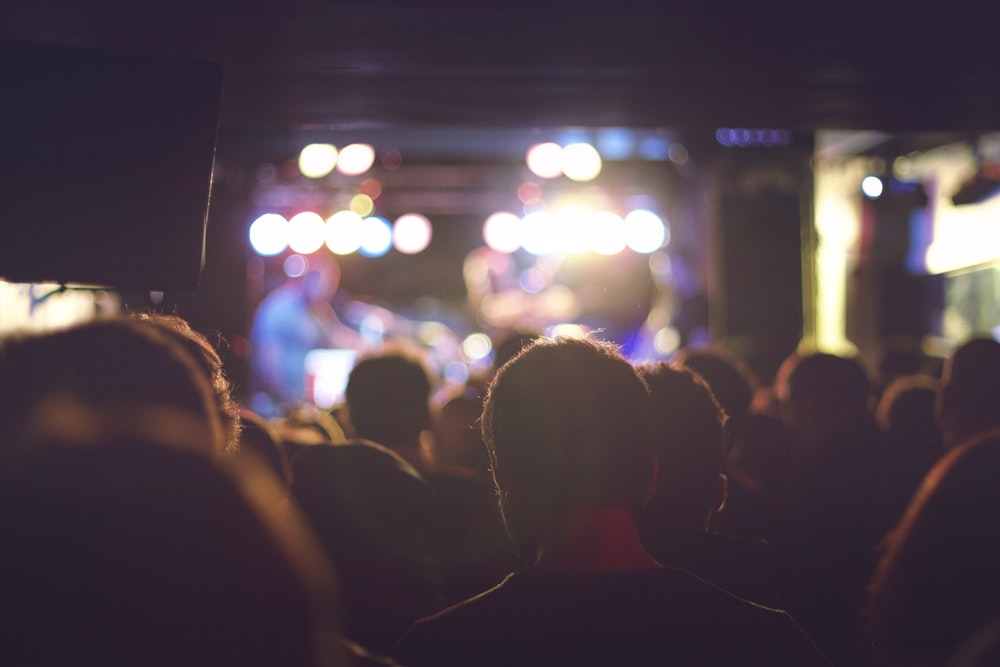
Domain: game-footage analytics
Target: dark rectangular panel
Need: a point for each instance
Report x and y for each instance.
(105, 166)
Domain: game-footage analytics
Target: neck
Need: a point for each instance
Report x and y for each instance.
(603, 539)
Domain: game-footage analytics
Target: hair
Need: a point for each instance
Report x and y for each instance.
(690, 445)
(907, 410)
(131, 553)
(210, 363)
(970, 393)
(113, 373)
(937, 581)
(837, 383)
(730, 380)
(388, 397)
(568, 424)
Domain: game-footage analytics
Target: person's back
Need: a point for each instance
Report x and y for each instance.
(937, 582)
(569, 428)
(970, 391)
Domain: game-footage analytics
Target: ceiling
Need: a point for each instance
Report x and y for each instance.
(318, 65)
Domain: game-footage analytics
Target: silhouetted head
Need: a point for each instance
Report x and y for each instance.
(109, 377)
(937, 581)
(730, 379)
(210, 363)
(906, 411)
(823, 392)
(970, 391)
(388, 398)
(569, 426)
(134, 553)
(690, 445)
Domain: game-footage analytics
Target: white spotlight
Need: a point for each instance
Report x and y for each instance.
(317, 160)
(269, 234)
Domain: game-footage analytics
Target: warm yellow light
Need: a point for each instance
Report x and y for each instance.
(355, 159)
(317, 160)
(581, 162)
(362, 205)
(344, 232)
(574, 229)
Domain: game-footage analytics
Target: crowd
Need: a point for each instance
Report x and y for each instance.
(574, 508)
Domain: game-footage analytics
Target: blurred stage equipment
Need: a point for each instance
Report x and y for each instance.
(985, 183)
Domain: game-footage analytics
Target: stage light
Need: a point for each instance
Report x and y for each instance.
(343, 232)
(376, 237)
(872, 187)
(502, 232)
(539, 234)
(608, 233)
(581, 162)
(317, 160)
(574, 229)
(269, 234)
(295, 266)
(545, 160)
(411, 234)
(645, 232)
(355, 159)
(477, 346)
(306, 232)
(362, 205)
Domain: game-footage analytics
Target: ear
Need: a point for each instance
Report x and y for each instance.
(720, 493)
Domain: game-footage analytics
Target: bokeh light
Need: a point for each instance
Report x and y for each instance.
(502, 232)
(568, 330)
(362, 204)
(539, 233)
(545, 160)
(355, 159)
(529, 193)
(392, 159)
(574, 229)
(295, 266)
(317, 160)
(411, 234)
(872, 187)
(477, 346)
(376, 237)
(581, 162)
(666, 341)
(306, 232)
(269, 234)
(608, 233)
(645, 231)
(371, 187)
(343, 232)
